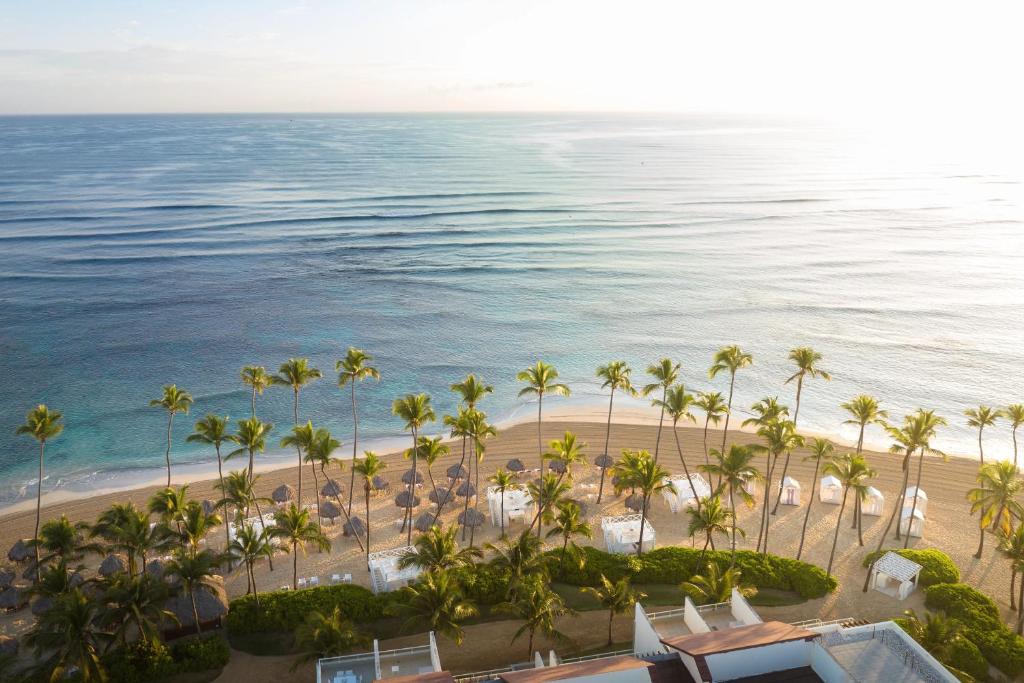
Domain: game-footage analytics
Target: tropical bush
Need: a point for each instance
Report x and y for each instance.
(483, 584)
(936, 566)
(965, 656)
(145, 660)
(979, 614)
(285, 610)
(200, 654)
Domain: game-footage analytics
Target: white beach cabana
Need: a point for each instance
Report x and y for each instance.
(873, 503)
(385, 575)
(895, 575)
(751, 487)
(260, 524)
(790, 491)
(830, 490)
(913, 528)
(679, 493)
(518, 506)
(922, 499)
(622, 533)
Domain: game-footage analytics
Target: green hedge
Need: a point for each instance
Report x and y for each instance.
(483, 584)
(284, 610)
(146, 661)
(936, 566)
(673, 565)
(984, 627)
(200, 654)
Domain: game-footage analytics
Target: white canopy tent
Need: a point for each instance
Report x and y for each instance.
(895, 575)
(518, 506)
(385, 575)
(622, 533)
(259, 524)
(679, 493)
(830, 490)
(913, 528)
(922, 499)
(873, 504)
(790, 491)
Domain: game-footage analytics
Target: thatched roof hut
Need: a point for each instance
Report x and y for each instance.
(634, 502)
(21, 551)
(156, 568)
(441, 496)
(12, 599)
(557, 466)
(209, 507)
(471, 518)
(604, 461)
(406, 499)
(515, 465)
(465, 490)
(283, 493)
(211, 603)
(330, 510)
(457, 472)
(111, 564)
(332, 489)
(42, 605)
(424, 522)
(354, 527)
(379, 483)
(408, 475)
(7, 577)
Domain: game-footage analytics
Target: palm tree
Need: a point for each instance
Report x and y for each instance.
(1015, 414)
(239, 492)
(851, 470)
(665, 374)
(615, 375)
(416, 410)
(979, 418)
(302, 437)
(319, 637)
(806, 360)
(567, 524)
(1011, 546)
(462, 425)
(864, 410)
(174, 400)
(296, 373)
(503, 481)
(711, 518)
(169, 504)
(780, 437)
(541, 379)
(213, 430)
(194, 572)
(196, 524)
(539, 608)
(677, 403)
(766, 411)
(435, 603)
(651, 478)
(437, 550)
(251, 438)
(938, 634)
(715, 585)
(292, 525)
(995, 497)
(478, 431)
(822, 451)
(430, 450)
(547, 492)
(519, 559)
(255, 376)
(42, 424)
(369, 467)
(472, 390)
(617, 597)
(734, 469)
(713, 405)
(729, 358)
(320, 454)
(66, 639)
(929, 422)
(127, 529)
(249, 546)
(567, 451)
(351, 369)
(63, 539)
(138, 601)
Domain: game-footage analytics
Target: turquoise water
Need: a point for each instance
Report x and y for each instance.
(140, 251)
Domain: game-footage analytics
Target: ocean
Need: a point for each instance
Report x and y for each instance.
(145, 250)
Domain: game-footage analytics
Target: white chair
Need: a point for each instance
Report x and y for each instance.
(302, 583)
(286, 588)
(347, 578)
(335, 578)
(314, 581)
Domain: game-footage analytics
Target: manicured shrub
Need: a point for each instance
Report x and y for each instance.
(284, 610)
(483, 584)
(139, 662)
(1003, 648)
(968, 658)
(200, 654)
(936, 566)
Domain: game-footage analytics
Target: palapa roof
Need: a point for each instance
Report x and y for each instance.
(739, 638)
(515, 465)
(634, 501)
(441, 495)
(209, 507)
(456, 472)
(466, 490)
(379, 483)
(406, 499)
(12, 598)
(604, 461)
(20, 551)
(557, 466)
(332, 488)
(897, 566)
(408, 475)
(283, 493)
(7, 577)
(425, 521)
(330, 509)
(354, 527)
(211, 603)
(111, 564)
(471, 518)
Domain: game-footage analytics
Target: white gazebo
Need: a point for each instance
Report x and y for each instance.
(790, 491)
(679, 493)
(385, 575)
(622, 533)
(258, 523)
(518, 506)
(913, 528)
(895, 575)
(922, 499)
(872, 503)
(830, 490)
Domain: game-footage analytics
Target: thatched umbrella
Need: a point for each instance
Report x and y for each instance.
(330, 510)
(211, 603)
(209, 507)
(379, 483)
(408, 475)
(12, 599)
(30, 572)
(354, 527)
(406, 499)
(8, 646)
(75, 580)
(111, 564)
(472, 518)
(283, 493)
(635, 502)
(515, 465)
(604, 461)
(42, 605)
(155, 568)
(332, 489)
(465, 490)
(20, 551)
(557, 466)
(7, 577)
(441, 496)
(424, 522)
(457, 472)
(582, 505)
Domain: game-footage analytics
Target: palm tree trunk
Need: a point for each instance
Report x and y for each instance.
(355, 440)
(768, 467)
(254, 401)
(167, 455)
(661, 419)
(607, 441)
(728, 412)
(860, 438)
(611, 618)
(707, 460)
(540, 454)
(913, 507)
(643, 523)
(1014, 448)
(732, 506)
(778, 499)
(981, 449)
(1013, 584)
(860, 523)
(298, 449)
(227, 533)
(476, 496)
(462, 463)
(412, 484)
(366, 494)
(39, 505)
(295, 565)
(1020, 614)
(316, 494)
(256, 501)
(529, 655)
(465, 508)
(195, 611)
(686, 470)
(807, 513)
(903, 491)
(881, 539)
(700, 559)
(767, 519)
(835, 539)
(503, 512)
(799, 388)
(255, 593)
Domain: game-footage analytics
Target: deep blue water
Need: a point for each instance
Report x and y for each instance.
(139, 251)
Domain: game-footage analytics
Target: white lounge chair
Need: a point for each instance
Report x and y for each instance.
(314, 581)
(302, 583)
(347, 578)
(335, 578)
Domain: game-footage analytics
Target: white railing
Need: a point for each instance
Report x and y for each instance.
(817, 623)
(666, 614)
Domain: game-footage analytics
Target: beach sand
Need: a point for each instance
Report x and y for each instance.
(949, 526)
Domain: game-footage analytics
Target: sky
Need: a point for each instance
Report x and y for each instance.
(930, 61)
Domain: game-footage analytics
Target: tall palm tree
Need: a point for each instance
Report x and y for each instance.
(437, 550)
(614, 376)
(320, 636)
(996, 498)
(416, 410)
(135, 601)
(126, 529)
(66, 639)
(979, 418)
(296, 373)
(1011, 546)
(320, 454)
(256, 377)
(436, 603)
(249, 547)
(651, 478)
(822, 452)
(194, 572)
(568, 452)
(173, 400)
(730, 358)
(251, 437)
(928, 422)
(1015, 414)
(766, 411)
(539, 608)
(239, 492)
(780, 437)
(302, 438)
(677, 404)
(864, 410)
(367, 468)
(169, 504)
(520, 559)
(292, 525)
(472, 390)
(354, 367)
(479, 431)
(503, 481)
(715, 585)
(546, 492)
(617, 597)
(568, 523)
(42, 424)
(713, 405)
(196, 524)
(851, 470)
(665, 374)
(735, 470)
(213, 430)
(430, 451)
(711, 518)
(806, 360)
(64, 540)
(541, 379)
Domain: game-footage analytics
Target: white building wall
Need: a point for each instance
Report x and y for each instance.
(827, 668)
(692, 618)
(691, 666)
(759, 660)
(741, 609)
(646, 640)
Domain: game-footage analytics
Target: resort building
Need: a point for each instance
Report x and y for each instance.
(622, 533)
(419, 663)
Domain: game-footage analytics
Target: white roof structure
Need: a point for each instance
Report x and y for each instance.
(873, 502)
(680, 492)
(384, 572)
(790, 482)
(897, 566)
(518, 505)
(622, 533)
(872, 492)
(912, 490)
(258, 523)
(829, 480)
